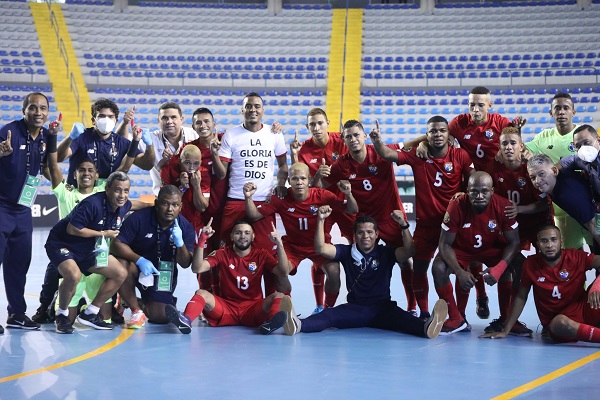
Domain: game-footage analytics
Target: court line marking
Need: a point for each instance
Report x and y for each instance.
(548, 377)
(125, 334)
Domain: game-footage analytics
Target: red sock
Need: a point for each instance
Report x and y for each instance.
(462, 299)
(330, 299)
(407, 276)
(274, 307)
(588, 333)
(194, 307)
(445, 293)
(318, 279)
(421, 290)
(480, 284)
(504, 297)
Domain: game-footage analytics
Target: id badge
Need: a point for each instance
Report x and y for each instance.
(165, 277)
(597, 219)
(29, 191)
(102, 251)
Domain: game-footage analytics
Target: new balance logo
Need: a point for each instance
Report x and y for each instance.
(313, 161)
(291, 209)
(467, 136)
(149, 235)
(541, 279)
(467, 225)
(352, 176)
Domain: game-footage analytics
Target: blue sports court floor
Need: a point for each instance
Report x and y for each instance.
(237, 362)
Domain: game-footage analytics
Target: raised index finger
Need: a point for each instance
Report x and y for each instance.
(377, 124)
(209, 221)
(8, 136)
(296, 135)
(273, 226)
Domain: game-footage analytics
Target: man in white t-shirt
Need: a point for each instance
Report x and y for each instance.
(250, 151)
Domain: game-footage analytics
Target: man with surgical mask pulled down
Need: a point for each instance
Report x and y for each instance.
(104, 147)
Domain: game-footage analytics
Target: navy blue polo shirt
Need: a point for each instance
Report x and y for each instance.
(93, 212)
(105, 152)
(139, 233)
(13, 167)
(372, 286)
(573, 194)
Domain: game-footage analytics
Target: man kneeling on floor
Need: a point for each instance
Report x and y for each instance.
(368, 268)
(241, 269)
(151, 243)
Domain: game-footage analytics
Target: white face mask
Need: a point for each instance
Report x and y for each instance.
(105, 125)
(587, 153)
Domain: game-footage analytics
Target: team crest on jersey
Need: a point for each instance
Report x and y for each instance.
(446, 218)
(43, 149)
(372, 169)
(64, 251)
(571, 147)
(448, 167)
(334, 156)
(489, 134)
(113, 152)
(492, 224)
(252, 267)
(375, 264)
(118, 223)
(314, 209)
(563, 274)
(521, 182)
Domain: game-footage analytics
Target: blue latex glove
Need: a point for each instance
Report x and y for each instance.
(146, 266)
(177, 235)
(77, 130)
(146, 138)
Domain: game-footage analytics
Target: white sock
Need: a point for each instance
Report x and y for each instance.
(62, 312)
(92, 309)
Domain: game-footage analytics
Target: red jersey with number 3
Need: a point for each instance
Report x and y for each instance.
(480, 141)
(240, 277)
(559, 289)
(373, 183)
(299, 218)
(436, 181)
(312, 155)
(479, 234)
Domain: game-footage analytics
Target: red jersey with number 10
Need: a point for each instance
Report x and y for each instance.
(373, 183)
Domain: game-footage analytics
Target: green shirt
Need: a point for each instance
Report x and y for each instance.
(552, 143)
(68, 197)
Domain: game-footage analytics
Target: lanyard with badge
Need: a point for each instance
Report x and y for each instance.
(113, 157)
(166, 269)
(102, 244)
(32, 183)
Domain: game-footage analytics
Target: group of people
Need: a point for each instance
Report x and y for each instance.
(482, 197)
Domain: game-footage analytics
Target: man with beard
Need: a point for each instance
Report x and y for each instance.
(475, 229)
(565, 308)
(154, 241)
(241, 268)
(437, 179)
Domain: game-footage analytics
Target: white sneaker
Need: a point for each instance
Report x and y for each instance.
(137, 319)
(292, 324)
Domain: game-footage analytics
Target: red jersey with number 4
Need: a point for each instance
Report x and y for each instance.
(312, 155)
(436, 181)
(373, 183)
(479, 234)
(300, 217)
(559, 289)
(480, 141)
(516, 186)
(240, 277)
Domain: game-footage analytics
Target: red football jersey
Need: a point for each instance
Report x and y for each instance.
(480, 141)
(516, 186)
(312, 155)
(436, 181)
(240, 277)
(373, 183)
(477, 233)
(559, 289)
(300, 218)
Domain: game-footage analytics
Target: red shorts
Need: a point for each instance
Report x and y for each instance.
(390, 233)
(229, 312)
(426, 240)
(345, 223)
(236, 209)
(296, 254)
(489, 260)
